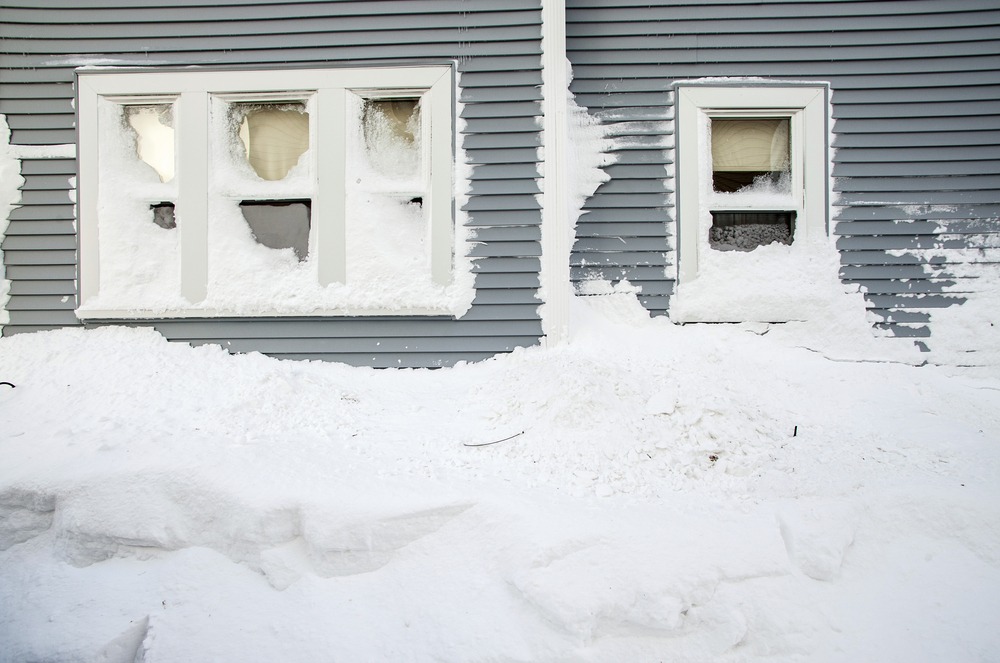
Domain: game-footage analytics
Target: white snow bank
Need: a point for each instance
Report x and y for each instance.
(697, 493)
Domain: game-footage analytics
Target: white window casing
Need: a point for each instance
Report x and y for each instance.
(805, 106)
(328, 96)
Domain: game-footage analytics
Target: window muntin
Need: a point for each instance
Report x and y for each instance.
(210, 194)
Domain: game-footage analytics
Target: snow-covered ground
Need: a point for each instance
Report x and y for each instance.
(652, 493)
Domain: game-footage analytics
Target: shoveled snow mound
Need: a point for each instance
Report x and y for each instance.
(652, 492)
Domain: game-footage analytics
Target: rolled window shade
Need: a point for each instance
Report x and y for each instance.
(758, 145)
(274, 139)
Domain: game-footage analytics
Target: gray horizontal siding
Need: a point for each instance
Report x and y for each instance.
(497, 47)
(351, 16)
(915, 93)
(39, 248)
(803, 16)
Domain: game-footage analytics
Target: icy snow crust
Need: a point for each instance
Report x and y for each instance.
(696, 493)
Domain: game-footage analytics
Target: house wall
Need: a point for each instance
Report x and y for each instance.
(497, 47)
(915, 99)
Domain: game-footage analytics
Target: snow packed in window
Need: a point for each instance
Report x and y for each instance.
(392, 138)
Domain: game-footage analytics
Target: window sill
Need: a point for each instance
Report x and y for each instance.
(98, 315)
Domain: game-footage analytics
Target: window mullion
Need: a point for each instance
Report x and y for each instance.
(797, 159)
(330, 199)
(689, 149)
(815, 164)
(192, 197)
(440, 186)
(90, 266)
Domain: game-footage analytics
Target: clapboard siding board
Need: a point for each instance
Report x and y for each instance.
(938, 138)
(914, 169)
(20, 24)
(427, 38)
(979, 213)
(354, 16)
(610, 65)
(915, 89)
(733, 34)
(497, 48)
(804, 15)
(50, 70)
(984, 87)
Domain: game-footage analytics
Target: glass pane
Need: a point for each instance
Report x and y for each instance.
(750, 153)
(274, 137)
(279, 224)
(745, 231)
(392, 136)
(154, 131)
(163, 215)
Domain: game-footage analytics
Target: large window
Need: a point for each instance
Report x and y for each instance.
(752, 170)
(276, 192)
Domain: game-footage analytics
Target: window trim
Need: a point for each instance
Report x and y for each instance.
(191, 93)
(805, 104)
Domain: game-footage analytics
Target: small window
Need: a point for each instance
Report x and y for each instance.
(752, 170)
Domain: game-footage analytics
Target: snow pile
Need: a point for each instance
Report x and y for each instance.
(968, 332)
(644, 492)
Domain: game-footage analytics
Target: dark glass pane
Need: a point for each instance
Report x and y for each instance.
(280, 224)
(745, 231)
(728, 181)
(163, 215)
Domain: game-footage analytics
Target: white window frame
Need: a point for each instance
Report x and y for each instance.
(191, 93)
(806, 108)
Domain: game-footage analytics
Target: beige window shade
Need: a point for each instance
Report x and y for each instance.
(154, 131)
(274, 138)
(758, 145)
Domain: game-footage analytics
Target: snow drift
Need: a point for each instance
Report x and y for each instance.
(698, 493)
